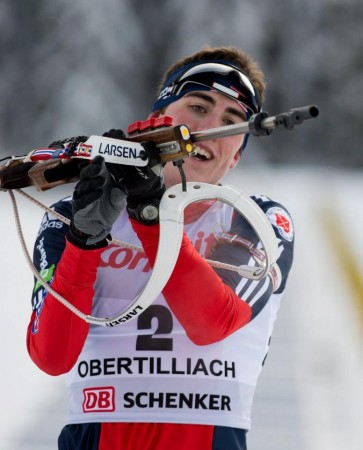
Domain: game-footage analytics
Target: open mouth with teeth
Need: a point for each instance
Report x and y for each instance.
(201, 154)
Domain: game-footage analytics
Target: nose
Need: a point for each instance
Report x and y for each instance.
(209, 121)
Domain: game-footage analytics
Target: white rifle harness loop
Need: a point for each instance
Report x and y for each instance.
(172, 206)
(171, 218)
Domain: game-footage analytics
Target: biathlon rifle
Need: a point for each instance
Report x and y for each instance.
(46, 168)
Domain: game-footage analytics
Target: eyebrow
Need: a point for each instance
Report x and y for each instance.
(211, 100)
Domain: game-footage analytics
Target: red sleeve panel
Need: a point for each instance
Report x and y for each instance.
(208, 309)
(60, 334)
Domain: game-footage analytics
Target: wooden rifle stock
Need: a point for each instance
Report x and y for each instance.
(174, 143)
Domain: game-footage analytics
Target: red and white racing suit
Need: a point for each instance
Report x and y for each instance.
(182, 375)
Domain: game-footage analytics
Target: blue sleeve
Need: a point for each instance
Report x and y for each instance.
(49, 245)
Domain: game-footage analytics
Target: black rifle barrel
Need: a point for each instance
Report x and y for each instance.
(285, 120)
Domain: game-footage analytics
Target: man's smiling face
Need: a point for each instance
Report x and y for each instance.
(202, 110)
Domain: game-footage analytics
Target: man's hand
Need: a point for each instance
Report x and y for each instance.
(144, 186)
(97, 202)
(71, 142)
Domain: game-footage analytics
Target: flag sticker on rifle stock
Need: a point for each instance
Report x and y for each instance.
(84, 150)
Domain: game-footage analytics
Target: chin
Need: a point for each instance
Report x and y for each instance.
(194, 173)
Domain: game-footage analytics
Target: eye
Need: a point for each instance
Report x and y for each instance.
(229, 121)
(198, 108)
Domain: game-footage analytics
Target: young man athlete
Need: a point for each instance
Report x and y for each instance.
(183, 374)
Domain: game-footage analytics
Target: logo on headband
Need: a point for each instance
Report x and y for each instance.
(165, 92)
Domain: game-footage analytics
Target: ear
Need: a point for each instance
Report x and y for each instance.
(235, 159)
